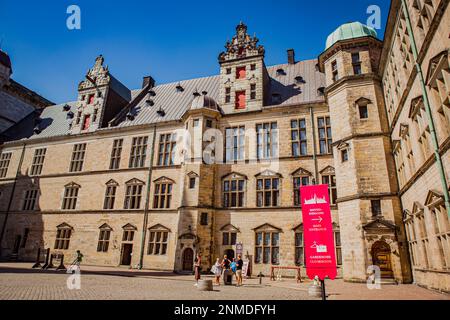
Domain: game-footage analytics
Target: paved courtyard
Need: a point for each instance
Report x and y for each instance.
(19, 281)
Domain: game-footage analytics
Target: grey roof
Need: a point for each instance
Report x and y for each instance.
(120, 88)
(175, 103)
(12, 110)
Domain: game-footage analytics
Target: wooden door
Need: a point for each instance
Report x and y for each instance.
(381, 256)
(127, 249)
(188, 259)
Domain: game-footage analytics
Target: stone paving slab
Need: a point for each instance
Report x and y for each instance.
(19, 281)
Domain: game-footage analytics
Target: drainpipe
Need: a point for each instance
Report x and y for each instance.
(313, 127)
(426, 102)
(147, 200)
(11, 197)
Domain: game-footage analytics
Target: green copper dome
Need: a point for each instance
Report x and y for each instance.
(350, 31)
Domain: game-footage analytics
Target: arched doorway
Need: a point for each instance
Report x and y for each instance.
(381, 257)
(188, 259)
(230, 254)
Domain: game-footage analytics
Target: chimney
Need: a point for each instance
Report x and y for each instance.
(291, 56)
(148, 81)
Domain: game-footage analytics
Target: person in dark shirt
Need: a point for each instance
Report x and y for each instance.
(239, 264)
(226, 263)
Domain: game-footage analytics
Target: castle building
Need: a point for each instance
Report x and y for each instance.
(150, 177)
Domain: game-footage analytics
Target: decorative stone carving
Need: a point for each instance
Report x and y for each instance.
(241, 46)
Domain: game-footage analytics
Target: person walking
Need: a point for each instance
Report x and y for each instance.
(239, 264)
(198, 263)
(79, 258)
(217, 270)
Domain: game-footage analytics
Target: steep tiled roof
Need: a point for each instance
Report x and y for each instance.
(297, 83)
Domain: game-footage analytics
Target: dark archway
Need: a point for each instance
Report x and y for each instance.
(381, 257)
(188, 259)
(230, 254)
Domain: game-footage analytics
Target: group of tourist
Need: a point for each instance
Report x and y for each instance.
(222, 268)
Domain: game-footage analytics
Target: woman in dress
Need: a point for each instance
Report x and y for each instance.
(198, 263)
(217, 271)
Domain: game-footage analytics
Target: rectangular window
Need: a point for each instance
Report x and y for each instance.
(38, 161)
(5, 158)
(116, 153)
(299, 249)
(344, 155)
(298, 183)
(209, 123)
(252, 91)
(196, 122)
(442, 234)
(29, 202)
(268, 192)
(240, 100)
(267, 140)
(240, 73)
(192, 183)
(91, 99)
(253, 67)
(228, 71)
(375, 207)
(330, 180)
(233, 193)
(110, 197)
(138, 152)
(363, 112)
(157, 243)
(133, 196)
(204, 219)
(70, 198)
(76, 164)
(334, 71)
(325, 139)
(356, 63)
(128, 235)
(298, 138)
(63, 238)
(163, 196)
(234, 143)
(337, 244)
(103, 240)
(166, 151)
(227, 95)
(267, 250)
(229, 238)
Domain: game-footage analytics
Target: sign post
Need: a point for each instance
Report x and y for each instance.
(318, 234)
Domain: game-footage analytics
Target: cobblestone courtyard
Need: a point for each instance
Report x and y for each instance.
(19, 281)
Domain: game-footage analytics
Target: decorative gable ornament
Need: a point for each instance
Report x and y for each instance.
(241, 46)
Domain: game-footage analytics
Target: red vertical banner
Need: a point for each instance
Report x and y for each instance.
(320, 255)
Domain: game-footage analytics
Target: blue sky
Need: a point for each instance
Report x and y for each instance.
(169, 40)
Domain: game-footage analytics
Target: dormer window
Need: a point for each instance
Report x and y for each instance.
(161, 112)
(66, 107)
(196, 94)
(152, 93)
(240, 73)
(276, 98)
(150, 102)
(179, 88)
(299, 79)
(281, 72)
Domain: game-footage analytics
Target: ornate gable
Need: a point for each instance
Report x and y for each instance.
(407, 215)
(268, 173)
(396, 145)
(327, 170)
(363, 101)
(235, 175)
(129, 227)
(268, 228)
(434, 197)
(163, 180)
(416, 104)
(97, 76)
(229, 228)
(439, 62)
(72, 185)
(301, 172)
(417, 208)
(241, 46)
(159, 227)
(380, 224)
(134, 181)
(64, 226)
(105, 226)
(192, 174)
(343, 146)
(112, 182)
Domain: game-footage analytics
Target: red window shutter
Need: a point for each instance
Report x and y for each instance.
(87, 122)
(240, 73)
(91, 99)
(240, 100)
